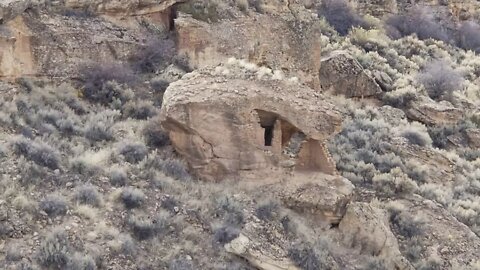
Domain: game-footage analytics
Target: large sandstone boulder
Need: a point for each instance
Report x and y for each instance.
(366, 227)
(324, 196)
(238, 117)
(341, 74)
(243, 247)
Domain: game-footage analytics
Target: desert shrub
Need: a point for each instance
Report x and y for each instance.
(127, 244)
(159, 86)
(225, 234)
(180, 264)
(419, 21)
(155, 54)
(132, 197)
(175, 168)
(440, 80)
(468, 36)
(155, 135)
(405, 224)
(363, 148)
(201, 10)
(469, 154)
(133, 152)
(80, 261)
(31, 173)
(416, 172)
(436, 193)
(38, 152)
(169, 203)
(13, 253)
(394, 182)
(96, 78)
(340, 15)
(370, 40)
(99, 126)
(400, 98)
(243, 5)
(432, 263)
(84, 166)
(139, 110)
(416, 136)
(147, 227)
(55, 251)
(375, 263)
(308, 256)
(118, 177)
(266, 210)
(440, 133)
(87, 194)
(54, 205)
(414, 249)
(229, 209)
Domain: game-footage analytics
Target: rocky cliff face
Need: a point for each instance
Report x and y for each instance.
(193, 134)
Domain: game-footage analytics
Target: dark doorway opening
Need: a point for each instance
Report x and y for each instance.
(172, 16)
(267, 122)
(268, 135)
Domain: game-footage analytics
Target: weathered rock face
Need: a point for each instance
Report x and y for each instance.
(225, 121)
(323, 196)
(341, 74)
(49, 42)
(255, 37)
(123, 7)
(473, 136)
(244, 247)
(458, 9)
(367, 226)
(16, 54)
(433, 113)
(377, 8)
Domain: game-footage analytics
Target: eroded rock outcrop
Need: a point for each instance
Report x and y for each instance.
(365, 226)
(254, 36)
(341, 74)
(242, 246)
(433, 113)
(224, 121)
(54, 40)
